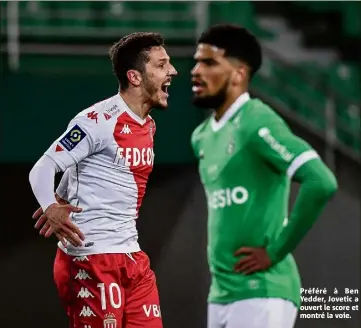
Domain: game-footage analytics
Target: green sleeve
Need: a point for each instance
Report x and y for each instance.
(318, 184)
(288, 154)
(277, 146)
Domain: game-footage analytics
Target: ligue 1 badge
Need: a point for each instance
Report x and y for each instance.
(231, 146)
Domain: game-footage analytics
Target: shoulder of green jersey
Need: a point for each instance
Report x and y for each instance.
(265, 113)
(266, 119)
(261, 114)
(198, 131)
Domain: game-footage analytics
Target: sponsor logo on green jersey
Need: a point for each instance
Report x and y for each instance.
(266, 135)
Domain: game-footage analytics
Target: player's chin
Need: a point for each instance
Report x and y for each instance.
(201, 101)
(161, 104)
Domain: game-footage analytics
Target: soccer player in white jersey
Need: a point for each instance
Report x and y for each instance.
(247, 159)
(102, 276)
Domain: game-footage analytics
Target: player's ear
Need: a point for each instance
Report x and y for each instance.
(134, 77)
(241, 74)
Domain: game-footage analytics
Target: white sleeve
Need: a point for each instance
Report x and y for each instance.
(82, 138)
(62, 190)
(41, 179)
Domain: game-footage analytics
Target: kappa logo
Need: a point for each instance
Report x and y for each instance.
(86, 312)
(85, 293)
(82, 275)
(93, 116)
(81, 259)
(126, 129)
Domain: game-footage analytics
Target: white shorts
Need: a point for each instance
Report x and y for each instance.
(253, 313)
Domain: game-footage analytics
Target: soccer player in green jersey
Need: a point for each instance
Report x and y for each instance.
(247, 159)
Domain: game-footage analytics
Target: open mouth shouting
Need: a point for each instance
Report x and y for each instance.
(165, 86)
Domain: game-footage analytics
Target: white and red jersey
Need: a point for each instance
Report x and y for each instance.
(108, 151)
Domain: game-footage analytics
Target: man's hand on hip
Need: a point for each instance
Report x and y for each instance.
(255, 259)
(42, 221)
(56, 220)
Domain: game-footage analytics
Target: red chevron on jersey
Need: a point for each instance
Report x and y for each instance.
(58, 148)
(107, 116)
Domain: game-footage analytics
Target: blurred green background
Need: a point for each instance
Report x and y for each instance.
(54, 64)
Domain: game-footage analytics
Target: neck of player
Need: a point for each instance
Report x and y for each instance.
(231, 97)
(140, 108)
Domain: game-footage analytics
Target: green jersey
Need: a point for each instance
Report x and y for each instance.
(246, 162)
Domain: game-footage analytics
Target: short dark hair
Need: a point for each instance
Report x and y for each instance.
(237, 42)
(132, 52)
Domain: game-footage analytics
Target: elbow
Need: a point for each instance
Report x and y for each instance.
(328, 187)
(332, 189)
(36, 171)
(32, 174)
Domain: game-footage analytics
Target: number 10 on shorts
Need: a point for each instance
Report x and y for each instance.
(112, 290)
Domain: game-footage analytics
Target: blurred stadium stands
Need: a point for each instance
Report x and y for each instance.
(311, 70)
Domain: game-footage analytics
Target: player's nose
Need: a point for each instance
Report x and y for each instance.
(195, 70)
(173, 71)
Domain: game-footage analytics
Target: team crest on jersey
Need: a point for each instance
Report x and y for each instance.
(231, 146)
(73, 137)
(110, 321)
(236, 121)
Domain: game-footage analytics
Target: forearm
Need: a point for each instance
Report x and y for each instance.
(41, 179)
(318, 185)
